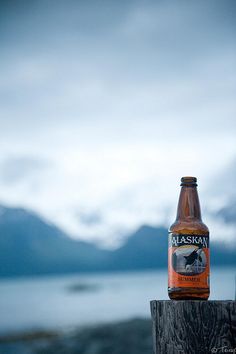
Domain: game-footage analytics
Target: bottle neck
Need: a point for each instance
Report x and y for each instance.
(188, 206)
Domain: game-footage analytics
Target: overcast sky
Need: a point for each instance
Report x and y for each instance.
(104, 105)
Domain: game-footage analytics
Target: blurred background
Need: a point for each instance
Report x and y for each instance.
(104, 106)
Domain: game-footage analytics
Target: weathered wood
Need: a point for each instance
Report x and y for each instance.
(193, 327)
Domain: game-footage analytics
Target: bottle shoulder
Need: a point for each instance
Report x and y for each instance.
(194, 227)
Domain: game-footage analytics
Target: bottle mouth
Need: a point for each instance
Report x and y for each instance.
(188, 181)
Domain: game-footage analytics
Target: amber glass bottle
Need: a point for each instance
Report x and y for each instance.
(188, 250)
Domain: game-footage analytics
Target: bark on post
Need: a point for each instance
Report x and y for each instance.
(193, 327)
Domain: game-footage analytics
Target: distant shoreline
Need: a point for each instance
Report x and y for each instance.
(107, 272)
(132, 336)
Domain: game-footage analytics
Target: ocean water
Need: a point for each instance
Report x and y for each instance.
(62, 302)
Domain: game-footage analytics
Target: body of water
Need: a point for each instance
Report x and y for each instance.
(61, 302)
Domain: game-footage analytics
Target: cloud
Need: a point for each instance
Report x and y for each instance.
(16, 169)
(89, 218)
(105, 105)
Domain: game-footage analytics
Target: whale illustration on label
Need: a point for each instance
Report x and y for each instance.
(188, 260)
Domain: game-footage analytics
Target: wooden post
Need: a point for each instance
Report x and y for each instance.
(193, 327)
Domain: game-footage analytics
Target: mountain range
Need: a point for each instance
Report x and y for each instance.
(31, 246)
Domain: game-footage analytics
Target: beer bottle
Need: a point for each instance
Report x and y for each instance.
(188, 250)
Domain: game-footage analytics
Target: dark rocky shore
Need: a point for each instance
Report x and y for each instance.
(128, 337)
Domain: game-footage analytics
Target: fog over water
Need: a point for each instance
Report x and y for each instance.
(61, 302)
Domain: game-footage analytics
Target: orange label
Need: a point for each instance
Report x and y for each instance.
(188, 261)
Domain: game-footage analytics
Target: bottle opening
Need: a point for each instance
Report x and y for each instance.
(188, 181)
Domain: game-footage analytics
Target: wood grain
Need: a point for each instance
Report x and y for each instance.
(193, 327)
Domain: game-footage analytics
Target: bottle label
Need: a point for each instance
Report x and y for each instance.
(188, 261)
